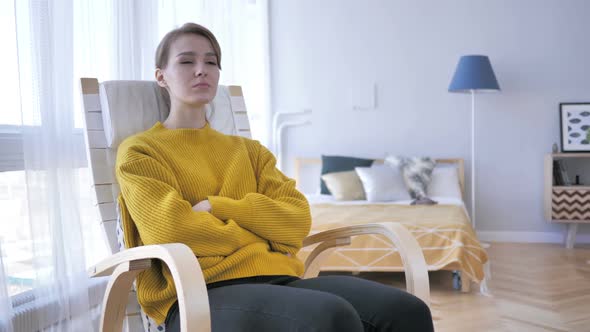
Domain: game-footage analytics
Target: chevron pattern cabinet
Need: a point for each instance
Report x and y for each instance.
(571, 204)
(566, 204)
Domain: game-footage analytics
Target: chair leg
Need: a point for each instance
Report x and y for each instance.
(115, 297)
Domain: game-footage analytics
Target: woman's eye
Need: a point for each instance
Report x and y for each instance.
(212, 63)
(186, 62)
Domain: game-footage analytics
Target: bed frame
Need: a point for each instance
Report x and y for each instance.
(301, 163)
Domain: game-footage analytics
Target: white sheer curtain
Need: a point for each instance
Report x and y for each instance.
(60, 41)
(5, 303)
(241, 27)
(118, 40)
(44, 32)
(115, 39)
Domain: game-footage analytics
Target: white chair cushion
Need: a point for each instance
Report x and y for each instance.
(140, 104)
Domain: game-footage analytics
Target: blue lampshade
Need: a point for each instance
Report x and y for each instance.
(474, 72)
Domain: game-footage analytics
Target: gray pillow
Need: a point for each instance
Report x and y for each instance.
(417, 173)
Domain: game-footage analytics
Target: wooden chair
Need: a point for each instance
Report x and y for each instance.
(115, 110)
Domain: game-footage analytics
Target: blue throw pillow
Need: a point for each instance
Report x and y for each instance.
(331, 164)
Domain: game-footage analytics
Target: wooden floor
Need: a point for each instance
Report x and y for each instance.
(534, 287)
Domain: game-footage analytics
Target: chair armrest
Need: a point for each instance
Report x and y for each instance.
(186, 272)
(415, 268)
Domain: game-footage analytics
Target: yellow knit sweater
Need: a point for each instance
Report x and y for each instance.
(257, 221)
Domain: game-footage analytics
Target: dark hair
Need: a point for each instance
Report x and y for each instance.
(163, 50)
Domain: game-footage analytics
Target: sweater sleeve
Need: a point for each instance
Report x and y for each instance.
(277, 212)
(153, 198)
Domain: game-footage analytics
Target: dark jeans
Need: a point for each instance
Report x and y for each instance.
(327, 303)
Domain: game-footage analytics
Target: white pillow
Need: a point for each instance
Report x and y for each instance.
(445, 182)
(382, 183)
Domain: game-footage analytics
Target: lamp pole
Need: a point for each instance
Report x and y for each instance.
(473, 158)
(473, 73)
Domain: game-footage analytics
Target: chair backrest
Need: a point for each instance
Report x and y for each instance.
(115, 110)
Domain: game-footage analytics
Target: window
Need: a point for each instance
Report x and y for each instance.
(107, 44)
(15, 228)
(14, 231)
(10, 114)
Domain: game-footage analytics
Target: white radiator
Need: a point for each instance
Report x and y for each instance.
(30, 313)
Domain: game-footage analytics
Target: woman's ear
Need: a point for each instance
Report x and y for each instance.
(160, 77)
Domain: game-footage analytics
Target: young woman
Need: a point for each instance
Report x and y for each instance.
(182, 181)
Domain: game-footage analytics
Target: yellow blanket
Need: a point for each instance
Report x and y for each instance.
(443, 231)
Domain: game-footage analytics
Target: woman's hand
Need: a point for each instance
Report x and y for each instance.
(202, 206)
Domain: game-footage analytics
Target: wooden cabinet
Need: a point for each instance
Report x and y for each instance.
(569, 204)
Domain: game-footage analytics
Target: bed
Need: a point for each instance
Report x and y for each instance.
(443, 231)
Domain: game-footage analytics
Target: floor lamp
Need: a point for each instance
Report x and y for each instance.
(474, 73)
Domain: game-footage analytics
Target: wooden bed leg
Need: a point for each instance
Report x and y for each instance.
(465, 283)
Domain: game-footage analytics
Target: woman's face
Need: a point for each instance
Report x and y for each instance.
(192, 73)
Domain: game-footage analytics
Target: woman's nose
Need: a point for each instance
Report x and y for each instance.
(201, 70)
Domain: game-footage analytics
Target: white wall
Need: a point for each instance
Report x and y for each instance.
(322, 49)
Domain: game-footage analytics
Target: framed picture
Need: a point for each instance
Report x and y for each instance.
(575, 127)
